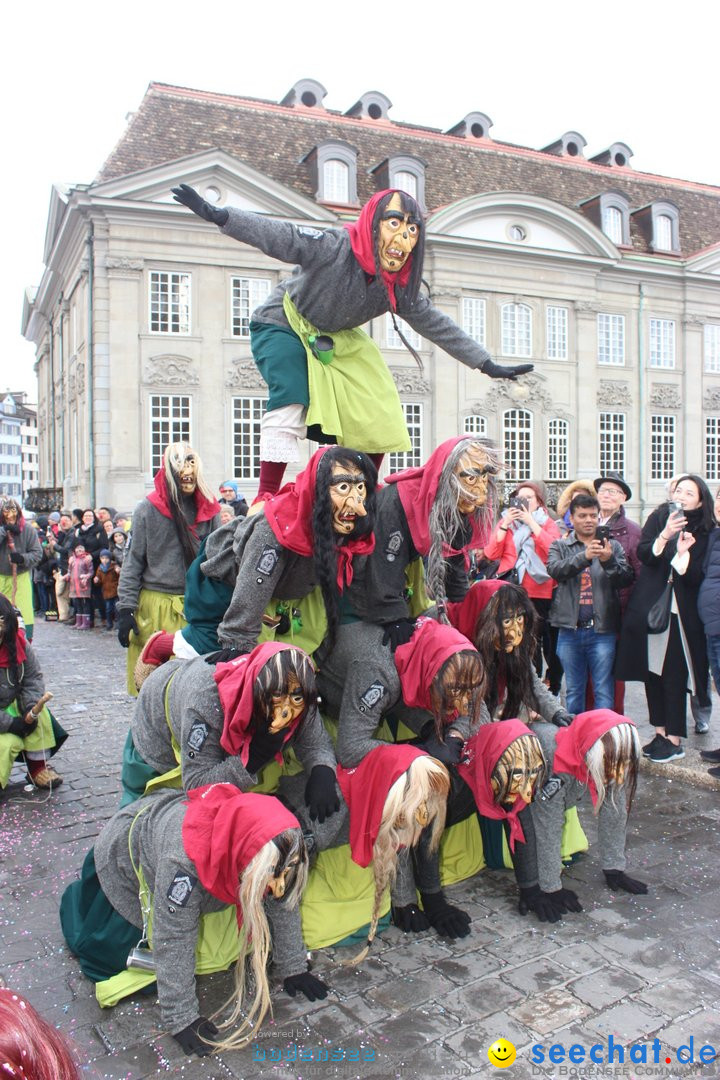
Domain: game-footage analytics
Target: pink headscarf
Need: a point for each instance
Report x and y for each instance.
(362, 243)
(465, 614)
(573, 743)
(419, 661)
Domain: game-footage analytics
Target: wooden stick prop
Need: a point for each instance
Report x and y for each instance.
(38, 707)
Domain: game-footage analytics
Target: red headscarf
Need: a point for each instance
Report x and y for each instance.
(20, 650)
(419, 661)
(290, 513)
(363, 245)
(465, 614)
(223, 829)
(205, 509)
(235, 682)
(484, 749)
(573, 743)
(365, 789)
(417, 489)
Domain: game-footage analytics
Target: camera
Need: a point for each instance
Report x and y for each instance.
(602, 533)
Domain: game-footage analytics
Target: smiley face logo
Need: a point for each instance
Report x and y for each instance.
(501, 1053)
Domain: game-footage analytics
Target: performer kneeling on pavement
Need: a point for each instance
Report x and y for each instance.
(167, 865)
(338, 389)
(26, 726)
(599, 752)
(310, 534)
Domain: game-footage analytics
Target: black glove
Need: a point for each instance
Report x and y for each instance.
(500, 371)
(126, 623)
(20, 728)
(263, 748)
(223, 656)
(618, 879)
(410, 919)
(565, 900)
(313, 988)
(321, 797)
(534, 899)
(449, 921)
(17, 558)
(449, 751)
(191, 1037)
(562, 718)
(189, 197)
(398, 633)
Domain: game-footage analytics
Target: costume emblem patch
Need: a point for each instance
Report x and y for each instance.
(372, 695)
(393, 545)
(268, 561)
(180, 888)
(314, 234)
(198, 734)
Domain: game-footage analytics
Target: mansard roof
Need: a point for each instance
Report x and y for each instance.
(173, 122)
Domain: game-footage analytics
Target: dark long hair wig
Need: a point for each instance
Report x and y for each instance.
(513, 670)
(326, 540)
(9, 614)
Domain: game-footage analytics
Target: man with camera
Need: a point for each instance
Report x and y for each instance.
(590, 568)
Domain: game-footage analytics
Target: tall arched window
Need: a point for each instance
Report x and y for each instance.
(557, 449)
(406, 181)
(336, 181)
(664, 232)
(517, 444)
(612, 224)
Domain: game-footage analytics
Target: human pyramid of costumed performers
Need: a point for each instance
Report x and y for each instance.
(327, 709)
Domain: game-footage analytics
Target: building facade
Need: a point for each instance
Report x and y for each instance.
(607, 279)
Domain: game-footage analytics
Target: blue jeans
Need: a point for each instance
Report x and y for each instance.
(713, 648)
(584, 652)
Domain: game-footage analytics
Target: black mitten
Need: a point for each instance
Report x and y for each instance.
(313, 988)
(189, 197)
(191, 1038)
(499, 371)
(534, 899)
(398, 633)
(562, 718)
(223, 656)
(17, 558)
(448, 920)
(321, 795)
(126, 623)
(448, 751)
(20, 728)
(410, 919)
(263, 748)
(565, 900)
(618, 880)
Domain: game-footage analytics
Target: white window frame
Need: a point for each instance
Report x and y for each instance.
(663, 433)
(558, 445)
(413, 411)
(611, 339)
(246, 293)
(516, 321)
(170, 302)
(335, 181)
(393, 339)
(663, 232)
(612, 446)
(406, 181)
(517, 427)
(711, 347)
(175, 425)
(712, 448)
(473, 318)
(475, 424)
(662, 343)
(247, 413)
(612, 223)
(556, 327)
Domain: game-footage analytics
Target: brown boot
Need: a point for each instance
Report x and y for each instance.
(45, 778)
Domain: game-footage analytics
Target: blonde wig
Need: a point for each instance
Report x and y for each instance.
(523, 753)
(618, 748)
(426, 782)
(270, 861)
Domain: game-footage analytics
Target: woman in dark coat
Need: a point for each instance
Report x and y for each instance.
(673, 663)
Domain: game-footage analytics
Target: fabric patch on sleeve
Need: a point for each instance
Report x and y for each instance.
(393, 545)
(180, 889)
(196, 739)
(372, 696)
(267, 561)
(313, 234)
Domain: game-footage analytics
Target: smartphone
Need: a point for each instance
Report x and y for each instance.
(602, 533)
(677, 508)
(517, 503)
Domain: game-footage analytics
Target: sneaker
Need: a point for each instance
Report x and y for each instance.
(711, 755)
(701, 727)
(668, 751)
(654, 744)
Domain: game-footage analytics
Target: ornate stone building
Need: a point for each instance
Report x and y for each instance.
(606, 278)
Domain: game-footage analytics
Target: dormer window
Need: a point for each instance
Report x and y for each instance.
(663, 232)
(371, 106)
(612, 224)
(659, 223)
(476, 125)
(307, 92)
(406, 173)
(611, 213)
(407, 182)
(334, 166)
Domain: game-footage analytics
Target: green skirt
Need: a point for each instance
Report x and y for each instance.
(155, 611)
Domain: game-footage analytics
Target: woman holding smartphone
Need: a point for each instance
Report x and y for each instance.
(672, 662)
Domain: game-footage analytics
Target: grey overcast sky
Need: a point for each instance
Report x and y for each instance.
(640, 72)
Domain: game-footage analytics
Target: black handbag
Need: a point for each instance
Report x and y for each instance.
(511, 576)
(658, 618)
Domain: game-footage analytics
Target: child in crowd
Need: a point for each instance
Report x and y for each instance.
(107, 577)
(79, 576)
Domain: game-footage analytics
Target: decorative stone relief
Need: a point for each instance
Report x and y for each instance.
(666, 395)
(123, 263)
(586, 307)
(519, 393)
(71, 385)
(80, 378)
(410, 381)
(711, 398)
(244, 375)
(170, 370)
(611, 392)
(694, 321)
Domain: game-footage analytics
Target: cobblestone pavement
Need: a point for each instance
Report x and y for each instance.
(634, 969)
